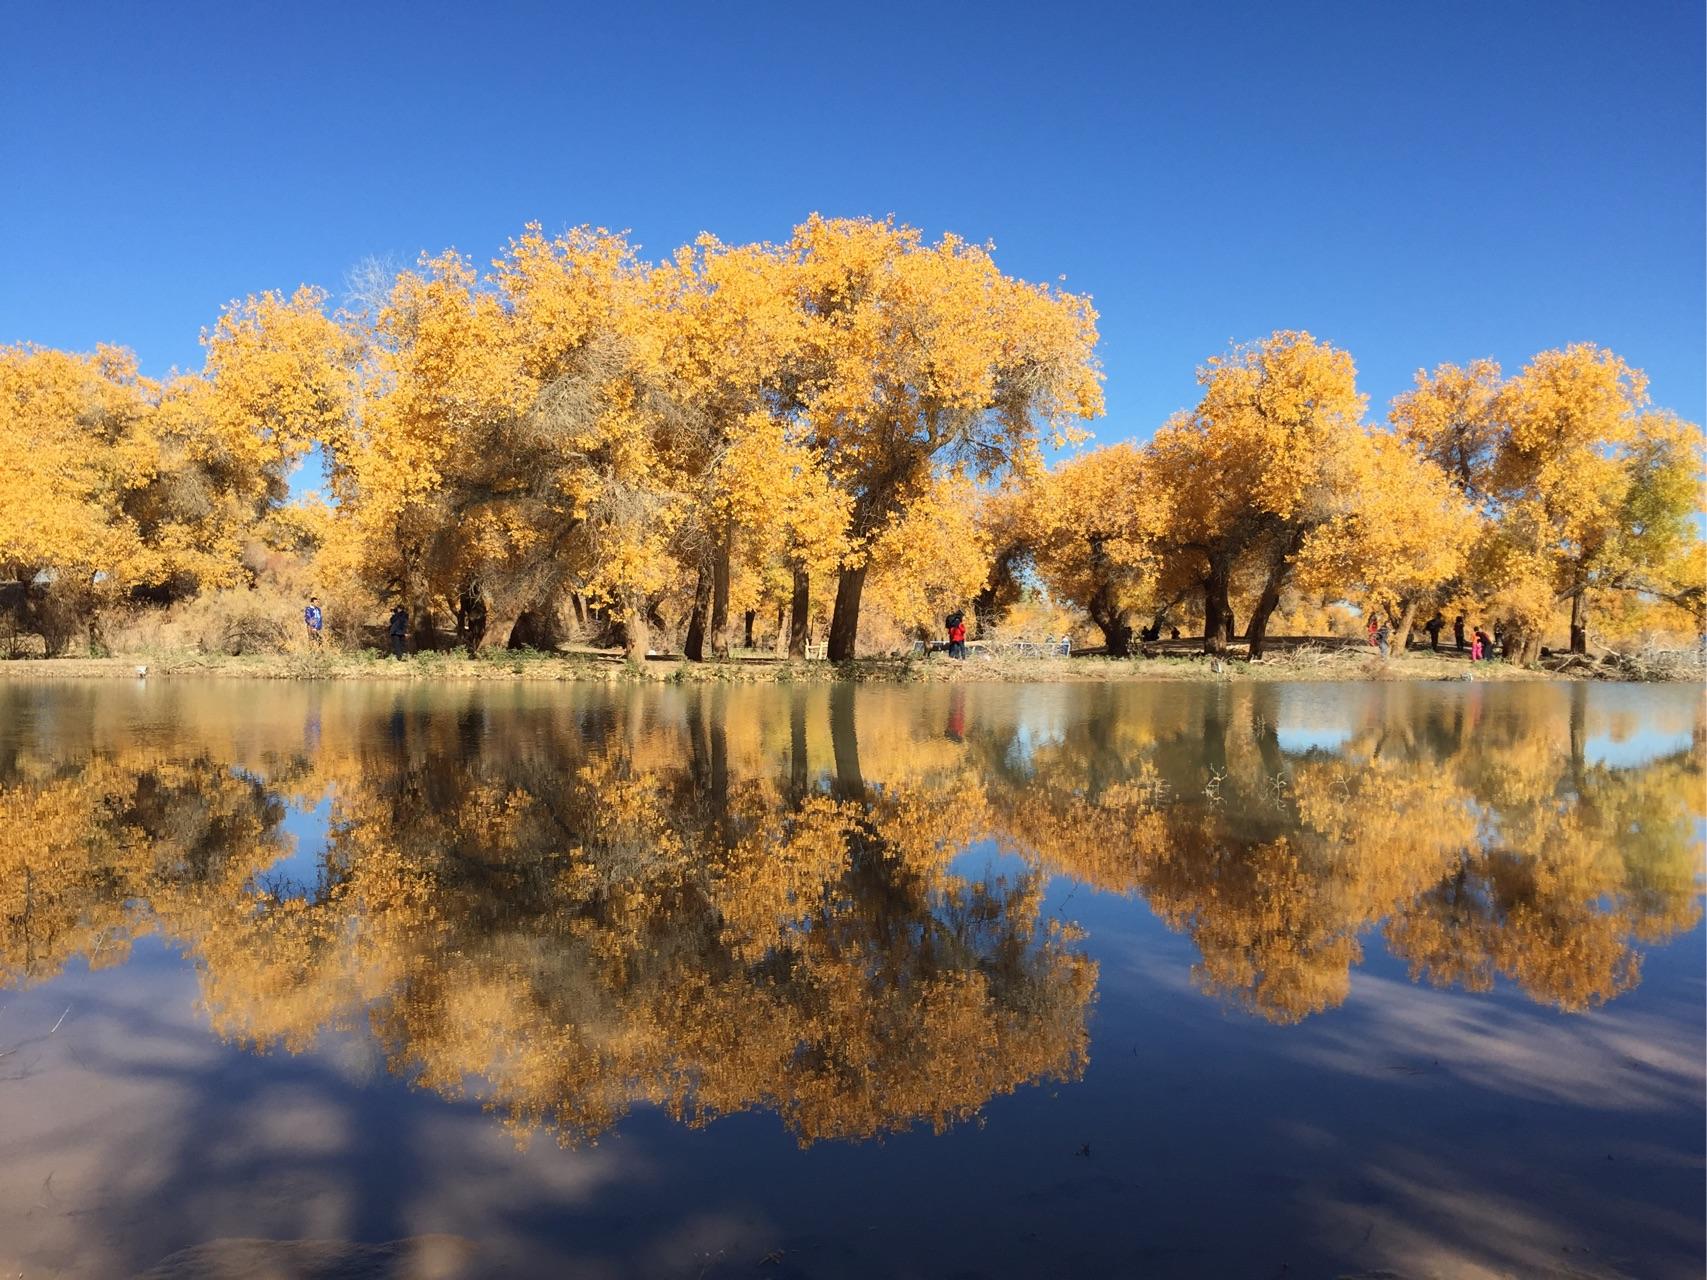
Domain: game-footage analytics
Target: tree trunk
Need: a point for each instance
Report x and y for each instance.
(1217, 728)
(421, 626)
(693, 648)
(1579, 734)
(1402, 632)
(1114, 623)
(1001, 590)
(720, 595)
(471, 620)
(420, 612)
(747, 637)
(796, 746)
(1579, 623)
(703, 751)
(1256, 631)
(495, 631)
(1116, 635)
(844, 622)
(844, 743)
(534, 628)
(523, 632)
(799, 613)
(697, 769)
(719, 742)
(636, 634)
(1279, 561)
(1217, 612)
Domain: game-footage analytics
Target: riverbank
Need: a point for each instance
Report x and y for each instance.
(1342, 664)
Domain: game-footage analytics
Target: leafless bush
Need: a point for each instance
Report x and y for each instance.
(234, 623)
(1310, 656)
(1655, 662)
(243, 622)
(16, 642)
(41, 620)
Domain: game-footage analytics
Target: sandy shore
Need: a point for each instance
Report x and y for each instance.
(1341, 664)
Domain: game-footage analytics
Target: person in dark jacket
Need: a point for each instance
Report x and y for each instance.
(398, 630)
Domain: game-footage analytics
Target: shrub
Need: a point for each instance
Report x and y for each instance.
(242, 622)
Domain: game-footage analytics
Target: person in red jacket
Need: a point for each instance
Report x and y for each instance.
(956, 634)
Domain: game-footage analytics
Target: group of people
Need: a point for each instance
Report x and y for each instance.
(396, 629)
(1483, 647)
(1479, 644)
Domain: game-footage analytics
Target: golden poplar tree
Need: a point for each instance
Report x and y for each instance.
(1399, 538)
(919, 355)
(1581, 489)
(1257, 466)
(1092, 527)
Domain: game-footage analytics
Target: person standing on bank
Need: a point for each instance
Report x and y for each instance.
(398, 630)
(313, 620)
(1433, 626)
(956, 634)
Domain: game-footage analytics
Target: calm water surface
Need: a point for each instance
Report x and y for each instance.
(1068, 980)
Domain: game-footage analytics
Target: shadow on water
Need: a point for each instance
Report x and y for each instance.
(602, 921)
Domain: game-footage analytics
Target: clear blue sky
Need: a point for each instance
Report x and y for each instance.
(1415, 182)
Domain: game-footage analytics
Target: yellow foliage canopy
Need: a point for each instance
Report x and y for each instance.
(670, 442)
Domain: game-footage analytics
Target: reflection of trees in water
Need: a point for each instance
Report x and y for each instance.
(1487, 846)
(578, 907)
(80, 845)
(581, 929)
(611, 934)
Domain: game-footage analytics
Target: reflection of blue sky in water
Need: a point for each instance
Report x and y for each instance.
(1410, 1130)
(1325, 717)
(982, 861)
(293, 875)
(1027, 740)
(1299, 741)
(1640, 747)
